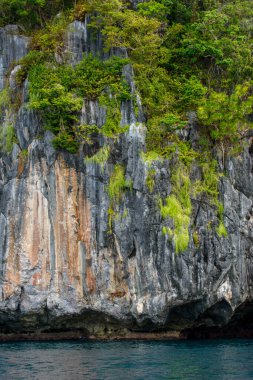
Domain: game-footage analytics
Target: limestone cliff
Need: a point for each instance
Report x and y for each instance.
(64, 268)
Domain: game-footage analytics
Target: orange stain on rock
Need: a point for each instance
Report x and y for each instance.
(12, 273)
(30, 253)
(72, 227)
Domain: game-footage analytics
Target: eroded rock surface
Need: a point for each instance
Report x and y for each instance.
(61, 266)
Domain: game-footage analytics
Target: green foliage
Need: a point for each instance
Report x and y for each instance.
(221, 230)
(150, 180)
(162, 135)
(24, 154)
(111, 216)
(178, 207)
(158, 9)
(210, 179)
(173, 209)
(208, 186)
(79, 12)
(227, 116)
(126, 28)
(57, 92)
(195, 237)
(181, 239)
(182, 187)
(93, 76)
(116, 189)
(50, 94)
(101, 157)
(30, 13)
(204, 63)
(150, 157)
(186, 56)
(65, 141)
(220, 210)
(10, 138)
(173, 122)
(157, 89)
(7, 131)
(117, 184)
(33, 58)
(5, 98)
(216, 44)
(192, 93)
(112, 127)
(7, 138)
(50, 39)
(86, 132)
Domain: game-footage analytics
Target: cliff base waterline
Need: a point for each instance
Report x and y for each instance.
(93, 325)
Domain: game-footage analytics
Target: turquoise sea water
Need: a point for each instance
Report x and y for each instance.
(215, 359)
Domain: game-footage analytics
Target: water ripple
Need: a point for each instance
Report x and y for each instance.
(135, 360)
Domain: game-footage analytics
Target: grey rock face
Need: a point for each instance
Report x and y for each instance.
(12, 48)
(61, 267)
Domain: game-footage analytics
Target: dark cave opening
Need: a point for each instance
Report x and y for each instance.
(239, 326)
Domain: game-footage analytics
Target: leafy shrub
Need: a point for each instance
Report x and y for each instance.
(195, 237)
(7, 138)
(57, 92)
(10, 138)
(31, 13)
(221, 230)
(101, 157)
(178, 207)
(86, 132)
(50, 39)
(65, 141)
(150, 180)
(117, 184)
(227, 116)
(158, 9)
(150, 157)
(173, 209)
